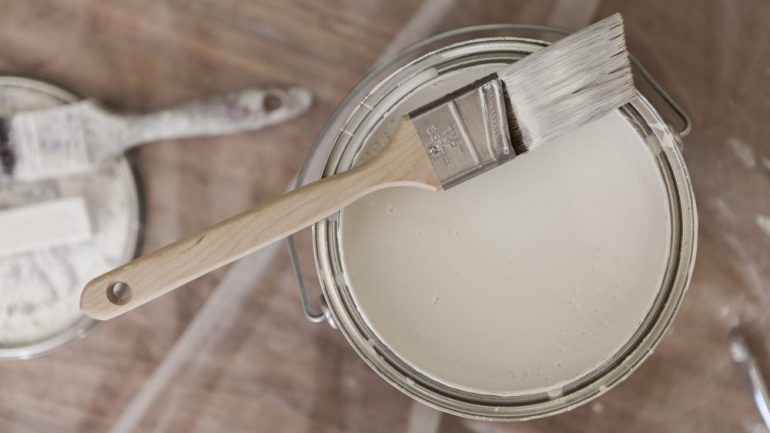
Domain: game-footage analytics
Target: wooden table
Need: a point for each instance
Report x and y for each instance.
(262, 366)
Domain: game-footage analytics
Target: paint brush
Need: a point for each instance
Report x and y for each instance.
(540, 97)
(76, 138)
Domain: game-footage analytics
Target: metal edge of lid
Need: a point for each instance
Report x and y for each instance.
(83, 325)
(625, 366)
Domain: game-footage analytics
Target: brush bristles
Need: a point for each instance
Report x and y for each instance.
(569, 83)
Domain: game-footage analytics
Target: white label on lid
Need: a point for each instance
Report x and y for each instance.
(44, 225)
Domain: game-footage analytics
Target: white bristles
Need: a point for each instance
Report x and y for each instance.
(569, 83)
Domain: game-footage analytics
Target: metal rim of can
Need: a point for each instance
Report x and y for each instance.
(83, 325)
(332, 154)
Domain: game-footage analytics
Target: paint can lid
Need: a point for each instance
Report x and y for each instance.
(67, 230)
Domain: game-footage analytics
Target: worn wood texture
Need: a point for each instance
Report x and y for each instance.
(268, 369)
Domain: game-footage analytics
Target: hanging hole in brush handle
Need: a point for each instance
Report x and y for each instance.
(119, 293)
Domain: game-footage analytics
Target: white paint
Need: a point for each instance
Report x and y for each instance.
(743, 152)
(763, 222)
(524, 278)
(40, 289)
(43, 225)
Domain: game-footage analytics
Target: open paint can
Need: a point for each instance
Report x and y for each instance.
(521, 293)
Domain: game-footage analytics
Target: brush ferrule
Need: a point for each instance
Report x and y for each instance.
(466, 132)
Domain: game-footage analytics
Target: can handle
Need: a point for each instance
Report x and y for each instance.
(322, 312)
(307, 306)
(686, 127)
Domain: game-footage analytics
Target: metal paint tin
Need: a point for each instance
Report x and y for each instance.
(17, 94)
(339, 147)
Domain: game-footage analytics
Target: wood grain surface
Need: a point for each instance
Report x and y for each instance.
(265, 368)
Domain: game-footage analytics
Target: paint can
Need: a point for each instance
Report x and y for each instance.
(353, 134)
(40, 288)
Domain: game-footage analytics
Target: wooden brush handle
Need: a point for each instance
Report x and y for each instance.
(402, 162)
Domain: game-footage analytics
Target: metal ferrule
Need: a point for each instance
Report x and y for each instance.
(466, 132)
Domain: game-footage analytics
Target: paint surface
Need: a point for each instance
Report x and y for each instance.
(524, 278)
